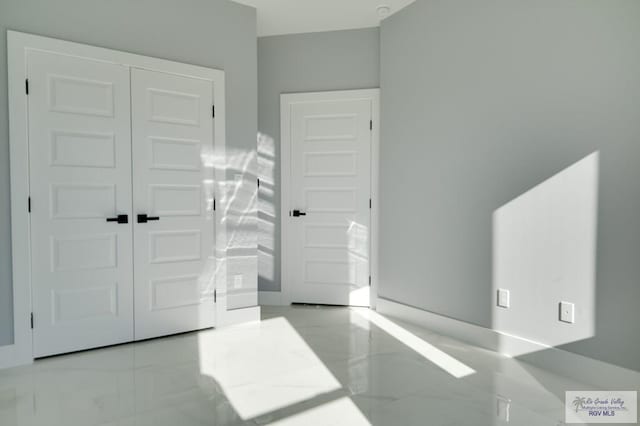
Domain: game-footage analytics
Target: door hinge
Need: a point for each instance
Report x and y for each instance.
(26, 86)
(370, 124)
(29, 204)
(215, 296)
(32, 320)
(369, 202)
(369, 280)
(258, 183)
(213, 111)
(214, 204)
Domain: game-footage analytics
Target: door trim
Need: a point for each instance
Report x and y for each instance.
(18, 46)
(286, 101)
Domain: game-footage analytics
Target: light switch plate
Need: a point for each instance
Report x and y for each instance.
(567, 312)
(504, 298)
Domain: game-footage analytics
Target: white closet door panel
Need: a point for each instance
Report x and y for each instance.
(331, 184)
(80, 167)
(173, 182)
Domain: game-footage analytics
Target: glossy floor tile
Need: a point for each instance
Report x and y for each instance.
(299, 366)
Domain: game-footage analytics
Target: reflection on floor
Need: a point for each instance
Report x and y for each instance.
(300, 366)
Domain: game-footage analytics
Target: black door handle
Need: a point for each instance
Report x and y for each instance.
(297, 213)
(143, 218)
(121, 219)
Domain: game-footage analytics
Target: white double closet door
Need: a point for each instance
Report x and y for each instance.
(121, 186)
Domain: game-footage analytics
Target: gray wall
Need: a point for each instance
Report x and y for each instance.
(211, 33)
(482, 101)
(336, 60)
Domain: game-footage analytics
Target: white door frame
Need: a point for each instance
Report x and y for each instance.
(19, 44)
(286, 102)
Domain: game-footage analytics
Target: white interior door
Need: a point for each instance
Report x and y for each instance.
(330, 187)
(173, 185)
(80, 167)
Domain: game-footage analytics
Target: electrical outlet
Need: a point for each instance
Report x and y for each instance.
(237, 281)
(567, 312)
(504, 298)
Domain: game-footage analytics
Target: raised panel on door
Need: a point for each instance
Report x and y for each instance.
(173, 184)
(80, 175)
(330, 183)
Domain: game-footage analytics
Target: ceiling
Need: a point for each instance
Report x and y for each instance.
(306, 16)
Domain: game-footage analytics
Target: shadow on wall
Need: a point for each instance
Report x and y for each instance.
(544, 253)
(240, 201)
(266, 214)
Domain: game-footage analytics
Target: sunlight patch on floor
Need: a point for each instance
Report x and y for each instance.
(443, 360)
(266, 367)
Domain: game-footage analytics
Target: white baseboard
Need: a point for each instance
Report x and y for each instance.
(479, 336)
(587, 370)
(10, 356)
(270, 298)
(238, 316)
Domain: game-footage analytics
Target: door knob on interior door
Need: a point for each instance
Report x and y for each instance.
(121, 219)
(298, 213)
(143, 218)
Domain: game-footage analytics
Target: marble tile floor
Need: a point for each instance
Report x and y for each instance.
(299, 366)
